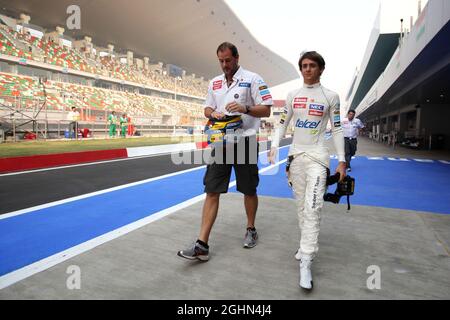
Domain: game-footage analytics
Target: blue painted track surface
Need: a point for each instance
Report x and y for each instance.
(36, 235)
(407, 185)
(33, 236)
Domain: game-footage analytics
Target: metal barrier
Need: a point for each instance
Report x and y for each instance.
(22, 116)
(33, 116)
(17, 113)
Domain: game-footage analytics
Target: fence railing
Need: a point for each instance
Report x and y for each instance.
(20, 116)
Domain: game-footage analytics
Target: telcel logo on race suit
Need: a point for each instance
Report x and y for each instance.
(307, 124)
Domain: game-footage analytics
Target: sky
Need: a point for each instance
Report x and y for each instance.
(337, 29)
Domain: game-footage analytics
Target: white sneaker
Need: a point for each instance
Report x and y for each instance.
(306, 281)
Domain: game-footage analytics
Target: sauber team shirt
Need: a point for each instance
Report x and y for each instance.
(311, 108)
(351, 127)
(247, 89)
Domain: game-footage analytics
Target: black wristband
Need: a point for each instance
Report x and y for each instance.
(247, 109)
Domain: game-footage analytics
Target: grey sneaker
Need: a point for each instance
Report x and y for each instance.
(195, 252)
(250, 239)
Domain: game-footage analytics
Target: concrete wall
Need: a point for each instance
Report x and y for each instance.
(432, 19)
(387, 22)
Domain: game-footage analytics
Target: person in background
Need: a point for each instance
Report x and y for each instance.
(130, 127)
(352, 128)
(112, 122)
(73, 116)
(123, 125)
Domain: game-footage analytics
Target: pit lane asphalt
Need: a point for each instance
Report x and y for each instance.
(31, 189)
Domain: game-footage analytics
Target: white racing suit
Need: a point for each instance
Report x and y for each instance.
(311, 108)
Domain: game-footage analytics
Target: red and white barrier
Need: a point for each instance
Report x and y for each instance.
(57, 160)
(16, 164)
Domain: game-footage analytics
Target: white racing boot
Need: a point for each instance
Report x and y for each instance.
(298, 255)
(306, 281)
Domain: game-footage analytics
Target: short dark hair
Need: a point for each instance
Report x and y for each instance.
(351, 111)
(227, 45)
(314, 56)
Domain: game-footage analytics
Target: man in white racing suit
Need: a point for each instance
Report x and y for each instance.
(311, 108)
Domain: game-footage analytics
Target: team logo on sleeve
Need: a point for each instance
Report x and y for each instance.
(337, 121)
(316, 110)
(264, 91)
(217, 85)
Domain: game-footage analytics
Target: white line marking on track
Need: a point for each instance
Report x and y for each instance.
(25, 272)
(42, 265)
(375, 158)
(92, 194)
(96, 193)
(424, 160)
(398, 159)
(444, 161)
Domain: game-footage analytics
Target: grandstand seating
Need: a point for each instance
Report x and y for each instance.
(44, 50)
(63, 57)
(7, 47)
(62, 96)
(27, 92)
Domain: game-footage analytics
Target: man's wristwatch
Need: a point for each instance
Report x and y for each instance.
(247, 109)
